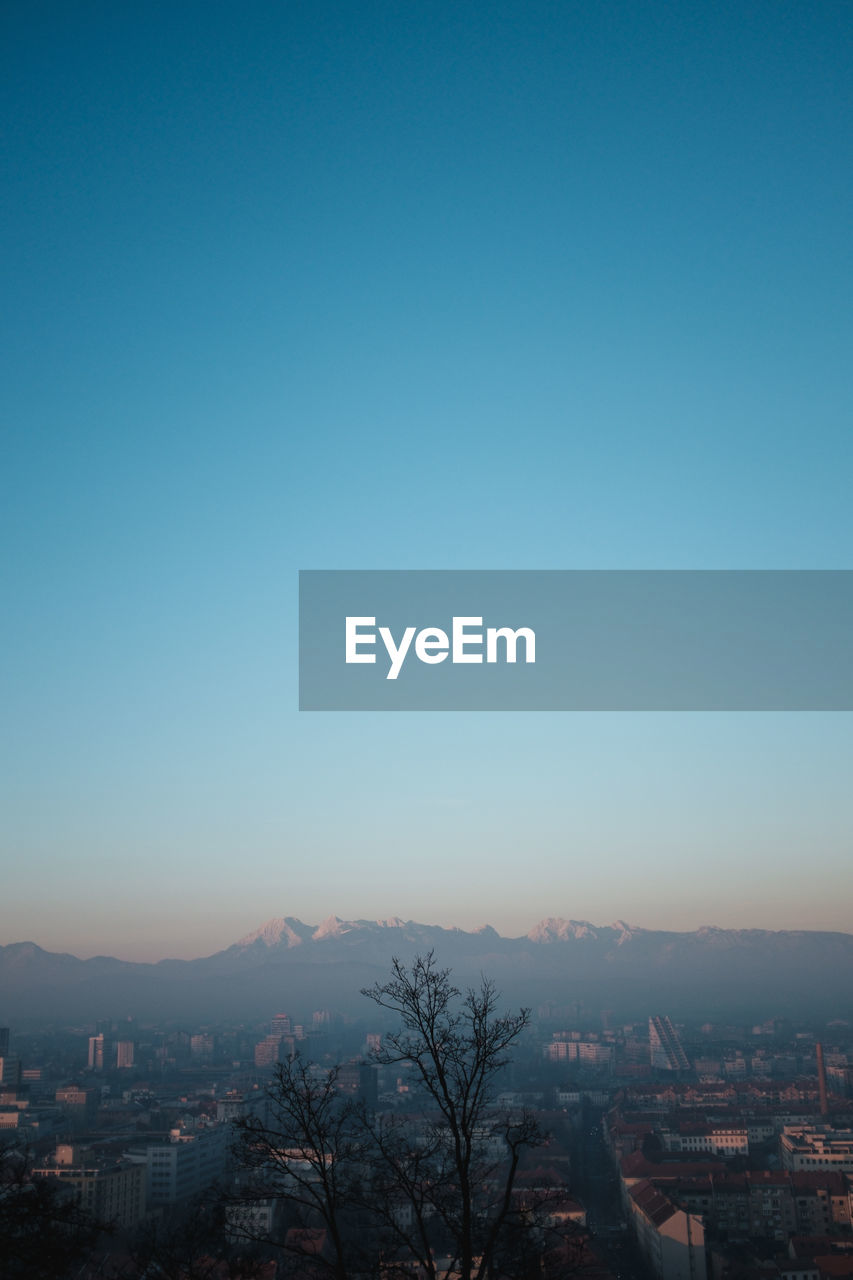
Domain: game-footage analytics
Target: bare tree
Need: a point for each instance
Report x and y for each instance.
(433, 1190)
(306, 1153)
(191, 1242)
(43, 1231)
(459, 1173)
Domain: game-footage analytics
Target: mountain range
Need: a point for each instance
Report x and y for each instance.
(287, 964)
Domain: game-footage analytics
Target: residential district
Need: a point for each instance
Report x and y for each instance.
(678, 1151)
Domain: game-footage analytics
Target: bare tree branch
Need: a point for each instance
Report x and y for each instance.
(433, 1191)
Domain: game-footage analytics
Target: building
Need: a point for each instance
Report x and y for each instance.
(591, 1054)
(822, 1203)
(113, 1191)
(98, 1049)
(672, 1240)
(10, 1071)
(183, 1165)
(810, 1147)
(202, 1045)
(360, 1080)
(717, 1139)
(10, 1113)
(771, 1204)
(124, 1054)
(79, 1104)
(32, 1124)
(665, 1048)
(270, 1050)
(252, 1219)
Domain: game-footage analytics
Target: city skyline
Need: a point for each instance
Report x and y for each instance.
(502, 288)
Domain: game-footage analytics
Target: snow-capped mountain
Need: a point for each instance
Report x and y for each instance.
(560, 962)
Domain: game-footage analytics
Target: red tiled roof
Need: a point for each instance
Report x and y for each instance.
(637, 1165)
(834, 1183)
(653, 1203)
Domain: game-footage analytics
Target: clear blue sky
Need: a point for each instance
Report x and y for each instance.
(288, 286)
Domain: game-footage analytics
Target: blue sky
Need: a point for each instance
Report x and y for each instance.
(407, 286)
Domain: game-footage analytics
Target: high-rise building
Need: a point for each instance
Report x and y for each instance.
(202, 1045)
(281, 1025)
(10, 1072)
(124, 1054)
(4, 1042)
(97, 1050)
(360, 1080)
(666, 1050)
(270, 1050)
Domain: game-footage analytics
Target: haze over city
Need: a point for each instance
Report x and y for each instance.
(484, 287)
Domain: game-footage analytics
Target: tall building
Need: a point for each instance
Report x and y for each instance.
(359, 1080)
(666, 1050)
(10, 1071)
(98, 1050)
(10, 1068)
(269, 1051)
(281, 1025)
(124, 1054)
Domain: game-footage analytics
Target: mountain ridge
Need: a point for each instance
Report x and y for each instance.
(562, 961)
(290, 932)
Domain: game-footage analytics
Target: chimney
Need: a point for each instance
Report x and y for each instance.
(821, 1080)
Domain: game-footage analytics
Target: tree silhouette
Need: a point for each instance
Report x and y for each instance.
(307, 1151)
(433, 1190)
(191, 1242)
(462, 1176)
(43, 1231)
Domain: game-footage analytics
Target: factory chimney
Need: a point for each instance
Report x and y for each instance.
(821, 1081)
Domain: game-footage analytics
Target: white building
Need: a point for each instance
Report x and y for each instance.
(593, 1054)
(185, 1164)
(671, 1240)
(720, 1140)
(811, 1147)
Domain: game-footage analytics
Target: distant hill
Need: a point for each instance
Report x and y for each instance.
(287, 964)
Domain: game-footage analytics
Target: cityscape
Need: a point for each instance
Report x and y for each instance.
(299, 984)
(627, 1144)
